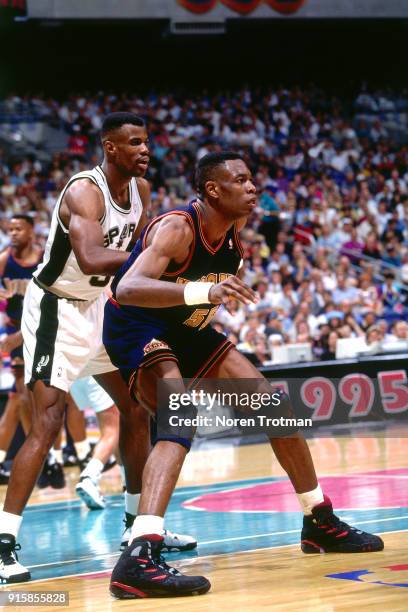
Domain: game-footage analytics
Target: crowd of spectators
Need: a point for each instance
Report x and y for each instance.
(327, 246)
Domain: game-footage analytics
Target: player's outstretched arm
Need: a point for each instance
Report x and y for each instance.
(81, 211)
(140, 286)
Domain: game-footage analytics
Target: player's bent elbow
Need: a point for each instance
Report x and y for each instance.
(126, 295)
(86, 267)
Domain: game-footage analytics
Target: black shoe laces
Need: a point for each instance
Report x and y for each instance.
(161, 562)
(10, 556)
(331, 521)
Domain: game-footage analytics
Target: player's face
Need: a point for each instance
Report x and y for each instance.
(130, 151)
(236, 190)
(20, 233)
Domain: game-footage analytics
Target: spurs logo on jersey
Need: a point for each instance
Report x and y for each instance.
(59, 270)
(110, 237)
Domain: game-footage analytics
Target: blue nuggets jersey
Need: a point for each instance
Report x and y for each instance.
(205, 262)
(15, 280)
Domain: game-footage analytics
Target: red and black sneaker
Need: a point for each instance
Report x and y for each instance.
(142, 572)
(324, 532)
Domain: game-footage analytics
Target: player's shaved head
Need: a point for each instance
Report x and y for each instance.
(207, 168)
(114, 121)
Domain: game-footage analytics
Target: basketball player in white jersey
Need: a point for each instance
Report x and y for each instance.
(94, 221)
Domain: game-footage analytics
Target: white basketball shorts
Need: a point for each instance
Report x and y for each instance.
(62, 338)
(86, 393)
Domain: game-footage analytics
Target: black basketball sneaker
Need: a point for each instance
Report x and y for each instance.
(10, 569)
(324, 532)
(142, 572)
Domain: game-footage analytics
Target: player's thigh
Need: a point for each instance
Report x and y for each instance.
(234, 365)
(155, 382)
(59, 338)
(238, 372)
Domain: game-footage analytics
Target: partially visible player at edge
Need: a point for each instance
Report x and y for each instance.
(17, 264)
(180, 270)
(95, 218)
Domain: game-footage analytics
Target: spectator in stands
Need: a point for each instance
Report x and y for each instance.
(329, 346)
(344, 291)
(353, 247)
(399, 331)
(374, 336)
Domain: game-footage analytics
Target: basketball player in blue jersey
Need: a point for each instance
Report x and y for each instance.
(157, 327)
(17, 264)
(95, 219)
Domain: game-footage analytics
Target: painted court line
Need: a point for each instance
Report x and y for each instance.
(208, 542)
(199, 558)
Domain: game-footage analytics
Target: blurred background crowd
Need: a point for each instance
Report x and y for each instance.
(327, 246)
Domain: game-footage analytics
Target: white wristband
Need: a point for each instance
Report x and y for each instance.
(197, 293)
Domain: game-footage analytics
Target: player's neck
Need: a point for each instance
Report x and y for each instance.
(215, 225)
(24, 253)
(117, 183)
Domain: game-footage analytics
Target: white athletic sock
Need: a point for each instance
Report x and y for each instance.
(93, 470)
(132, 503)
(10, 523)
(3, 454)
(310, 499)
(82, 449)
(146, 524)
(58, 455)
(51, 458)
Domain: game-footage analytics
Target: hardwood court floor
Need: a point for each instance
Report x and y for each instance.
(248, 527)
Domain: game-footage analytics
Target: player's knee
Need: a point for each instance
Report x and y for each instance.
(48, 421)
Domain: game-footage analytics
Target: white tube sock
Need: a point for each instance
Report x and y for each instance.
(310, 499)
(10, 523)
(3, 454)
(93, 470)
(146, 524)
(58, 455)
(82, 449)
(132, 503)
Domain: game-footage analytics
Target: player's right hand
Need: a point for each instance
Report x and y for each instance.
(232, 287)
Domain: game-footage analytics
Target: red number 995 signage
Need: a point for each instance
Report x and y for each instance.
(358, 391)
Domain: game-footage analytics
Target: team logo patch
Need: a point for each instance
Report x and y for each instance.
(155, 345)
(42, 363)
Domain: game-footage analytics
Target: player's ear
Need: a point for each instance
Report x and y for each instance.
(211, 189)
(109, 147)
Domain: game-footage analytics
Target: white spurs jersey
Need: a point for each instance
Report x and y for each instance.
(59, 270)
